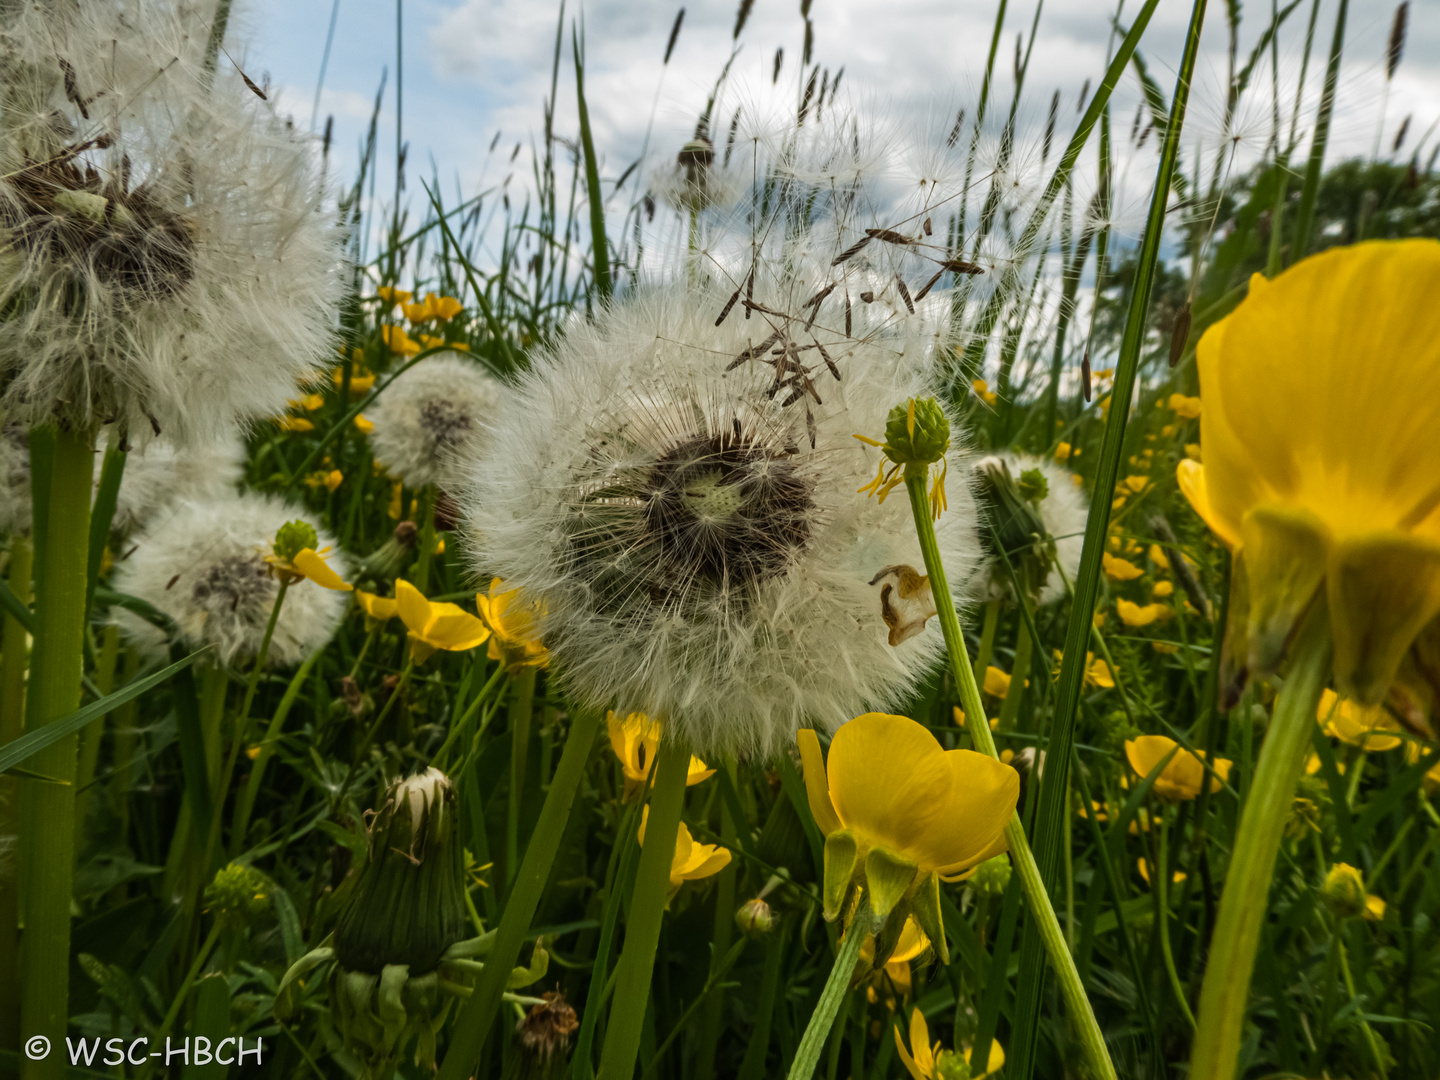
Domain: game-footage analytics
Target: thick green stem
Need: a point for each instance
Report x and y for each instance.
(1226, 988)
(818, 1030)
(521, 712)
(47, 835)
(647, 905)
(477, 1017)
(1041, 910)
(14, 646)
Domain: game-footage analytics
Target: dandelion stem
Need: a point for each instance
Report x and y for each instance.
(647, 905)
(47, 834)
(1226, 988)
(13, 646)
(1041, 910)
(246, 803)
(818, 1030)
(478, 1015)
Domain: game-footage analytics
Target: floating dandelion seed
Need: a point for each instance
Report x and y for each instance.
(165, 262)
(205, 567)
(431, 416)
(694, 533)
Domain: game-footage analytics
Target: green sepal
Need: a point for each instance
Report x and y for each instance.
(539, 965)
(925, 910)
(842, 854)
(921, 442)
(888, 877)
(389, 1004)
(1285, 553)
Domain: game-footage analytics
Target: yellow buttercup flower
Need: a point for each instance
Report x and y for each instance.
(898, 813)
(1320, 469)
(364, 425)
(1064, 452)
(1117, 569)
(1132, 614)
(997, 683)
(912, 943)
(636, 740)
(691, 861)
(984, 393)
(1188, 407)
(1144, 868)
(293, 558)
(399, 341)
(294, 423)
(1183, 776)
(515, 627)
(1365, 726)
(925, 1061)
(438, 308)
(436, 625)
(1097, 672)
(379, 608)
(1162, 589)
(392, 296)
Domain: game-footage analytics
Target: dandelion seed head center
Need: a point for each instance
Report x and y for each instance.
(236, 585)
(126, 237)
(446, 423)
(703, 521)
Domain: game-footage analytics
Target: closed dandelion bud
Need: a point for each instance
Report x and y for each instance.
(1343, 892)
(1035, 513)
(391, 557)
(917, 432)
(408, 906)
(754, 918)
(992, 876)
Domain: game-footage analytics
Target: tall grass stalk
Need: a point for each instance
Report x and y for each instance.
(1049, 824)
(47, 859)
(1310, 191)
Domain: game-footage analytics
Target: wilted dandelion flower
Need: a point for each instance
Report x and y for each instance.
(431, 416)
(166, 263)
(206, 567)
(696, 181)
(681, 500)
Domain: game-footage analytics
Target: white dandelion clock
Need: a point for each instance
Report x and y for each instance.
(697, 181)
(682, 500)
(167, 264)
(205, 567)
(15, 502)
(159, 476)
(1050, 493)
(432, 416)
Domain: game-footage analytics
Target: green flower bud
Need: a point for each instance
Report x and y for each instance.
(950, 1065)
(238, 894)
(408, 906)
(1010, 509)
(917, 432)
(293, 538)
(1033, 486)
(992, 876)
(754, 918)
(1344, 891)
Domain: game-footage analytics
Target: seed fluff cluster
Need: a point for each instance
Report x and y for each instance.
(204, 566)
(676, 484)
(432, 416)
(165, 262)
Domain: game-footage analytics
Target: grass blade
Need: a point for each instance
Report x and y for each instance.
(1305, 216)
(1049, 825)
(600, 251)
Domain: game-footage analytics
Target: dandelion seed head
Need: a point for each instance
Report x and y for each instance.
(432, 416)
(698, 557)
(204, 566)
(158, 476)
(167, 264)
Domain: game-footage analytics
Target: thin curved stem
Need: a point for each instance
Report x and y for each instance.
(1161, 878)
(812, 1043)
(1038, 900)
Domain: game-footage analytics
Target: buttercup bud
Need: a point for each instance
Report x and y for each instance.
(1344, 891)
(991, 876)
(754, 918)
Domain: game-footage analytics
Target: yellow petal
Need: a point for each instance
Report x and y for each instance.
(452, 627)
(996, 1061)
(318, 570)
(817, 785)
(920, 1042)
(905, 1059)
(1119, 569)
(997, 683)
(377, 607)
(411, 605)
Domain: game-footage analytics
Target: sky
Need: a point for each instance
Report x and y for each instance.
(473, 68)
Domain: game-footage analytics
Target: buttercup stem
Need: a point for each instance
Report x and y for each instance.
(812, 1043)
(1160, 876)
(47, 855)
(1041, 910)
(1226, 988)
(647, 905)
(241, 824)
